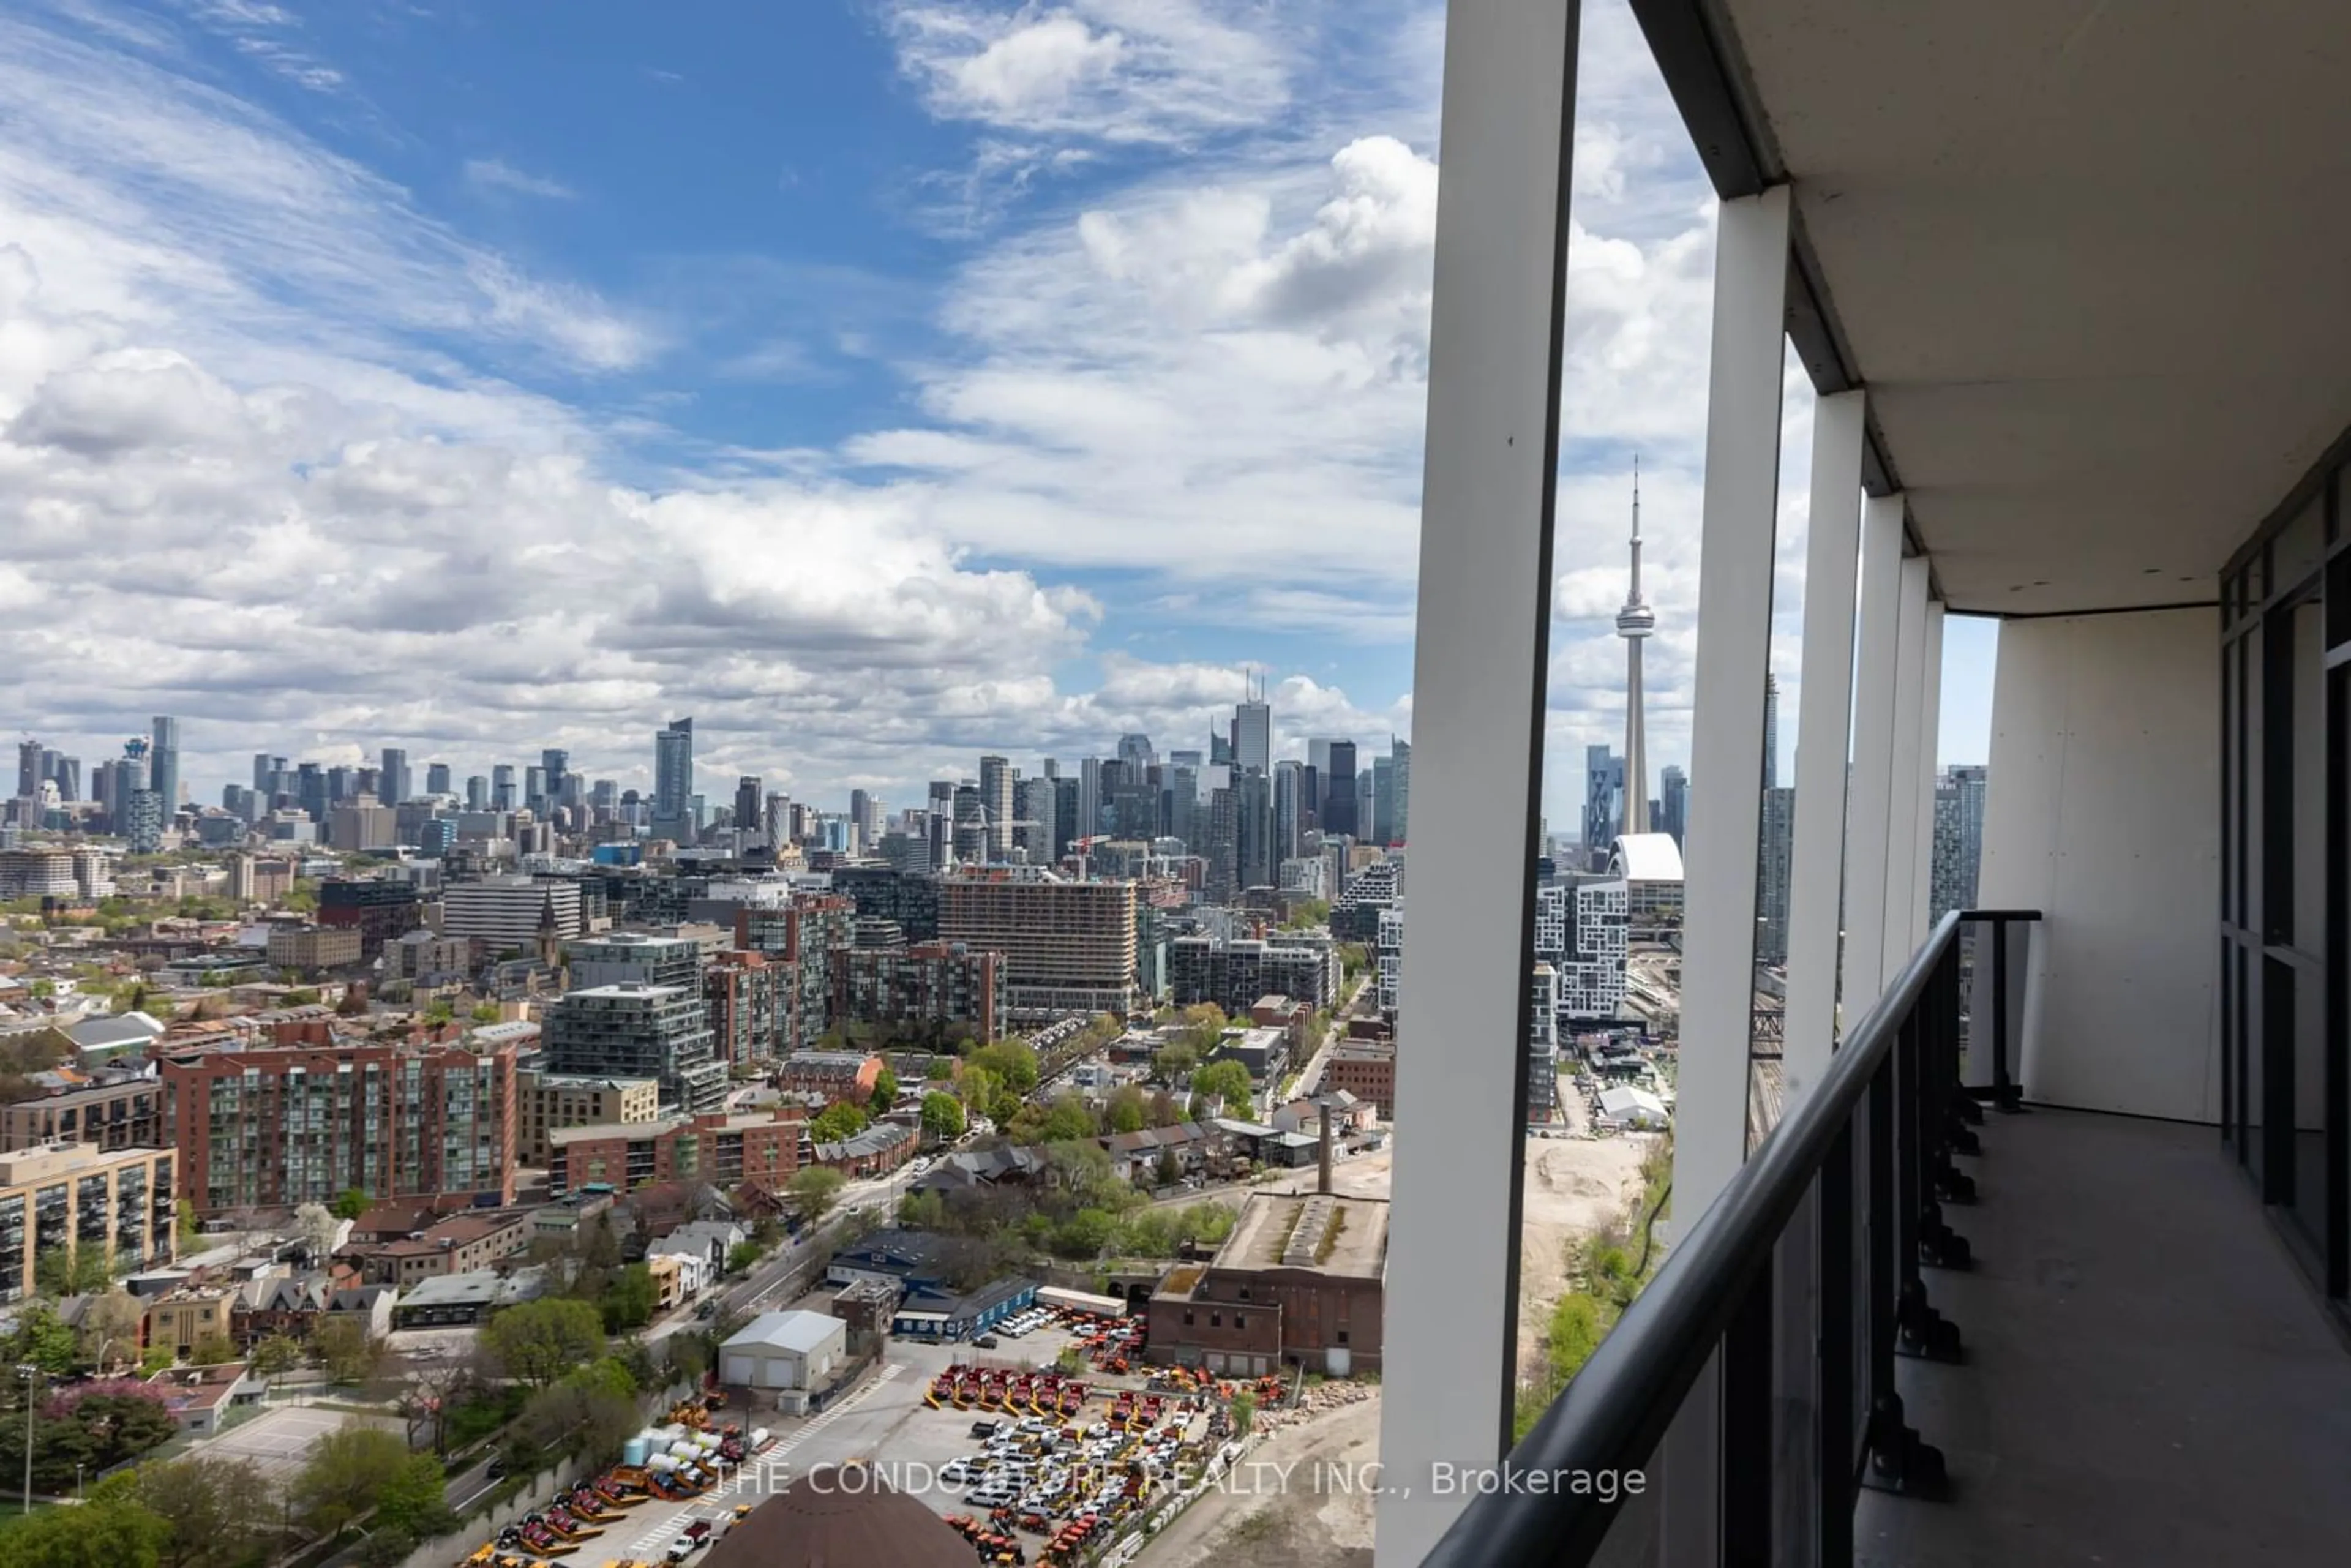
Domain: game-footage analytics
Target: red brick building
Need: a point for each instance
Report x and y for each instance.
(307, 1121)
(748, 997)
(835, 1074)
(1365, 1069)
(1301, 1280)
(723, 1151)
(911, 988)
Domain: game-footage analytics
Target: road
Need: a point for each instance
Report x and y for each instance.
(774, 1283)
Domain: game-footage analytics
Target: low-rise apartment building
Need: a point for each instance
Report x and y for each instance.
(68, 1197)
(125, 1114)
(316, 946)
(721, 1150)
(835, 1074)
(460, 1244)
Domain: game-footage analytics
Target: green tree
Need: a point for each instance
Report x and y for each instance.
(815, 1190)
(112, 1534)
(1068, 1119)
(1128, 1112)
(1085, 1234)
(1174, 1062)
(1203, 1025)
(349, 1204)
(979, 1089)
(345, 1476)
(538, 1341)
(185, 1212)
(412, 1500)
(1170, 1171)
(109, 1329)
(1244, 1413)
(342, 1345)
(885, 1091)
(277, 1355)
(838, 1122)
(484, 1012)
(1228, 1081)
(1574, 1334)
(43, 1339)
(212, 1350)
(742, 1256)
(629, 1301)
(943, 1116)
(938, 1070)
(72, 1270)
(1012, 1063)
(218, 1509)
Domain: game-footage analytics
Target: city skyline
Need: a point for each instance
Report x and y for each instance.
(1062, 446)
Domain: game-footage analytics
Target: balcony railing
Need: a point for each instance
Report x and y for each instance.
(1766, 1345)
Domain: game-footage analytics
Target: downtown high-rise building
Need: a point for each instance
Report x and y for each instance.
(506, 795)
(436, 778)
(163, 765)
(672, 817)
(556, 763)
(995, 803)
(391, 776)
(750, 804)
(1604, 803)
(1957, 854)
(1253, 737)
(1338, 776)
(1673, 801)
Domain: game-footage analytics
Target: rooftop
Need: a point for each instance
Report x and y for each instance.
(1313, 1232)
(793, 1331)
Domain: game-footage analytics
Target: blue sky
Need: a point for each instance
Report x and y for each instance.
(881, 381)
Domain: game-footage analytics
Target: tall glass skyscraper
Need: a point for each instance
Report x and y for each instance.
(673, 783)
(163, 764)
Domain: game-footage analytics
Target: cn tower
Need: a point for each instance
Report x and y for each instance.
(1634, 624)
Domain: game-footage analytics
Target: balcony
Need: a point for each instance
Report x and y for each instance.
(1911, 1331)
(2101, 1320)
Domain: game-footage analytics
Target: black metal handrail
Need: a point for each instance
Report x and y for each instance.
(1891, 1092)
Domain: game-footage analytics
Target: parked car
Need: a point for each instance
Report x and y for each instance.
(987, 1341)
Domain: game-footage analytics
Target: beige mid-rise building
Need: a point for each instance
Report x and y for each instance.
(549, 1101)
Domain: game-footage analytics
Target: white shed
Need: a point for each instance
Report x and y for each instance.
(793, 1349)
(1630, 1107)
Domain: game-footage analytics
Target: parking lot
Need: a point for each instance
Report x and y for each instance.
(888, 1423)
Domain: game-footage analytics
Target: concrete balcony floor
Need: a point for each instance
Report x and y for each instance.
(2150, 1379)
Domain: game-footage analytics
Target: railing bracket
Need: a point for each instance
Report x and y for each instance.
(1924, 1333)
(1899, 1460)
(1940, 1247)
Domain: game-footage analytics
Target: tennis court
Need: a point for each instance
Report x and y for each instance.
(280, 1441)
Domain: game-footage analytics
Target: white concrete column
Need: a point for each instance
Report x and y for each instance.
(1873, 754)
(1902, 895)
(1479, 688)
(1930, 721)
(1823, 724)
(1734, 650)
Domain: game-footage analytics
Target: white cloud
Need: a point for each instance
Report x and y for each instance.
(251, 367)
(495, 176)
(150, 198)
(1111, 70)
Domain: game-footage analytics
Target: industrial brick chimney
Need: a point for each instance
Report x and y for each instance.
(1322, 1179)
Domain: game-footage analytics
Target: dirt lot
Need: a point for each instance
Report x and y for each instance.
(1573, 1187)
(1262, 1522)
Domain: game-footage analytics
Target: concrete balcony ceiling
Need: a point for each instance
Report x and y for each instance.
(2089, 259)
